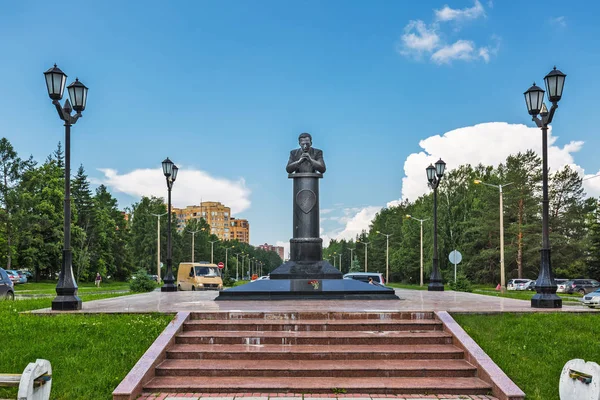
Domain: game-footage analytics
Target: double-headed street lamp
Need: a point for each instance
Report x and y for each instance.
(170, 172)
(158, 244)
(387, 255)
(366, 252)
(421, 269)
(502, 273)
(545, 286)
(434, 176)
(66, 289)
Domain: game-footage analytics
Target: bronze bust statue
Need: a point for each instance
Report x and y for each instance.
(306, 158)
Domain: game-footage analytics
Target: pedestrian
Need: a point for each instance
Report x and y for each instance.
(98, 279)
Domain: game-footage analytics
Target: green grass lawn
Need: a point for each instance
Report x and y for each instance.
(533, 348)
(90, 354)
(49, 287)
(521, 294)
(407, 285)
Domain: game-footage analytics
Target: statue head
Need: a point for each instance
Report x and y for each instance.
(305, 141)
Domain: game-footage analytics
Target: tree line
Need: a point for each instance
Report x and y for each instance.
(469, 221)
(104, 239)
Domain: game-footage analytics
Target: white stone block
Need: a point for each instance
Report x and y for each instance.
(579, 380)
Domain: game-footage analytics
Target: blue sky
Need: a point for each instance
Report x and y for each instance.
(224, 88)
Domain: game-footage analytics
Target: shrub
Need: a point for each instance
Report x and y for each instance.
(142, 282)
(462, 284)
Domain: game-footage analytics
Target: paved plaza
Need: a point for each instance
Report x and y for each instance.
(410, 300)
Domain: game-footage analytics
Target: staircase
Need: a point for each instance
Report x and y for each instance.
(310, 352)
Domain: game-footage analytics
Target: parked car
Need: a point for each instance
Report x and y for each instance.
(13, 275)
(22, 277)
(518, 284)
(581, 286)
(27, 274)
(364, 276)
(592, 299)
(7, 290)
(560, 284)
(260, 278)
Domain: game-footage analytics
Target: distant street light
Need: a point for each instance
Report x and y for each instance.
(366, 258)
(212, 242)
(193, 237)
(387, 255)
(434, 176)
(502, 271)
(170, 172)
(545, 286)
(237, 266)
(66, 288)
(226, 250)
(421, 269)
(158, 244)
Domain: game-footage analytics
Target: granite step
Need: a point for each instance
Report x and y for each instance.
(313, 315)
(317, 338)
(381, 385)
(317, 368)
(311, 325)
(313, 352)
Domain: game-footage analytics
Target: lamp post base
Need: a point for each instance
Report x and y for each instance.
(168, 287)
(435, 287)
(546, 300)
(66, 303)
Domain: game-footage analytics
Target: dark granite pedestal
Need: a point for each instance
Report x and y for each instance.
(308, 289)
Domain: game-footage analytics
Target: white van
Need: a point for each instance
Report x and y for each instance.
(199, 276)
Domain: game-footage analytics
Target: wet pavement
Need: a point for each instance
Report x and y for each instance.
(410, 300)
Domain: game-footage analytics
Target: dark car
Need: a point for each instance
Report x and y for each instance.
(7, 290)
(581, 286)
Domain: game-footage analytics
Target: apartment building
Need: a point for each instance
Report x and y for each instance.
(277, 249)
(218, 216)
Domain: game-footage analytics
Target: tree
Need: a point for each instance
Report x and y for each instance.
(81, 195)
(11, 170)
(40, 217)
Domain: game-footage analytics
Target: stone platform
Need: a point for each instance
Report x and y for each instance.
(308, 290)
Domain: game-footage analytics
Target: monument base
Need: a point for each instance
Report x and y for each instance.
(308, 289)
(305, 270)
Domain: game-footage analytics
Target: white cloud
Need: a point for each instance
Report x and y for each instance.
(452, 14)
(418, 39)
(459, 50)
(591, 184)
(487, 143)
(357, 220)
(559, 21)
(190, 187)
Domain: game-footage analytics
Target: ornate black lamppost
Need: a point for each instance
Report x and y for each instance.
(545, 286)
(170, 171)
(66, 289)
(434, 176)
